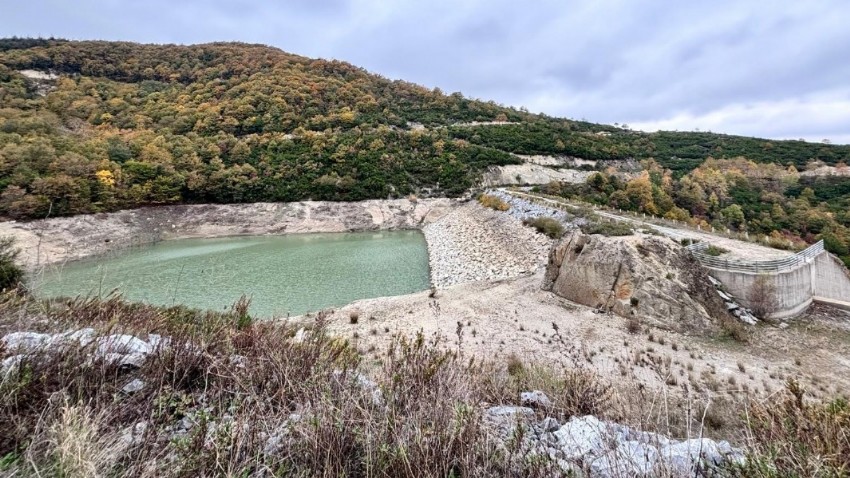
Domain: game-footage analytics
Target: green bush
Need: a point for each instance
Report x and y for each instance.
(608, 228)
(10, 274)
(715, 251)
(546, 225)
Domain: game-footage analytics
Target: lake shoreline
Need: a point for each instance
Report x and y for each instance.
(58, 240)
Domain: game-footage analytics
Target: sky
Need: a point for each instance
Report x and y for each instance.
(776, 69)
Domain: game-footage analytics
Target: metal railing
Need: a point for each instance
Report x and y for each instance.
(736, 265)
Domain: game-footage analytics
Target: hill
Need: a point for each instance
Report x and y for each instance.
(98, 126)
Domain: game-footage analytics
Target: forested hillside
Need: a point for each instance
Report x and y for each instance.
(124, 125)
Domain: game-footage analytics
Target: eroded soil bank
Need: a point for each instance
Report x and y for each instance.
(55, 240)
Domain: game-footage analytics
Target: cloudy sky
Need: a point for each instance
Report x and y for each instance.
(778, 69)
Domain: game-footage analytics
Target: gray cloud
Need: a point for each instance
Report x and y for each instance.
(777, 70)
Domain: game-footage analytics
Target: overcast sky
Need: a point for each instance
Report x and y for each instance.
(777, 69)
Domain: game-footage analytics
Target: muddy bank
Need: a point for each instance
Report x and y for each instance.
(56, 240)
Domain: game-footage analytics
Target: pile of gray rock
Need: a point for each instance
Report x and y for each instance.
(474, 243)
(119, 349)
(742, 313)
(587, 446)
(522, 209)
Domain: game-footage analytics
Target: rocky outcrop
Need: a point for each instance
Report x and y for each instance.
(54, 240)
(588, 446)
(641, 276)
(118, 349)
(531, 174)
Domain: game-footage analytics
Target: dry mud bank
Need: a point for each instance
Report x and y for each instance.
(68, 238)
(514, 317)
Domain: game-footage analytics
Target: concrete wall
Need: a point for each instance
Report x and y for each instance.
(831, 281)
(823, 279)
(793, 288)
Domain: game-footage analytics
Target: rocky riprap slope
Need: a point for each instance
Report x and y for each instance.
(647, 277)
(522, 209)
(473, 243)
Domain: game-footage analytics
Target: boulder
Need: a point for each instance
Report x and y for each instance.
(133, 386)
(26, 342)
(582, 437)
(650, 277)
(535, 399)
(122, 344)
(629, 458)
(505, 418)
(688, 457)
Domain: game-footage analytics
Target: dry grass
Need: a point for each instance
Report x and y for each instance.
(259, 403)
(493, 202)
(797, 438)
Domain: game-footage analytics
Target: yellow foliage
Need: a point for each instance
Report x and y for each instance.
(493, 202)
(105, 177)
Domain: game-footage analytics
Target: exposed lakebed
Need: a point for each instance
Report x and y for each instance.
(289, 274)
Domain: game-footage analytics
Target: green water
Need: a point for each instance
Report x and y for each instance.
(283, 275)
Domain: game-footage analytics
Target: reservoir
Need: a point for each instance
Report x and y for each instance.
(290, 274)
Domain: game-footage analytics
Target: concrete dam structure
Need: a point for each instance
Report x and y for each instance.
(811, 275)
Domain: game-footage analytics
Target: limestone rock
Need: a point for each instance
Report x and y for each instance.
(650, 277)
(121, 344)
(505, 418)
(535, 399)
(582, 437)
(26, 342)
(133, 386)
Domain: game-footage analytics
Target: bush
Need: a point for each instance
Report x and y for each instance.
(795, 438)
(608, 228)
(735, 330)
(493, 202)
(10, 274)
(546, 225)
(762, 297)
(715, 251)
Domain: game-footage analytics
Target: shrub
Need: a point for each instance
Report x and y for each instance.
(493, 202)
(762, 297)
(633, 326)
(608, 228)
(353, 317)
(734, 329)
(10, 274)
(796, 438)
(715, 251)
(546, 225)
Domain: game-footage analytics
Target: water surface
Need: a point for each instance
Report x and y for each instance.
(283, 275)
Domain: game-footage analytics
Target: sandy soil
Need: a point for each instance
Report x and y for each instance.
(501, 318)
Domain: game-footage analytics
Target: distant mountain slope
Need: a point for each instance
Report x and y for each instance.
(125, 125)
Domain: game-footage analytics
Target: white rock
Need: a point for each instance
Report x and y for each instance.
(9, 366)
(82, 337)
(683, 458)
(299, 336)
(630, 458)
(126, 360)
(133, 386)
(134, 435)
(26, 342)
(535, 399)
(122, 344)
(582, 436)
(158, 342)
